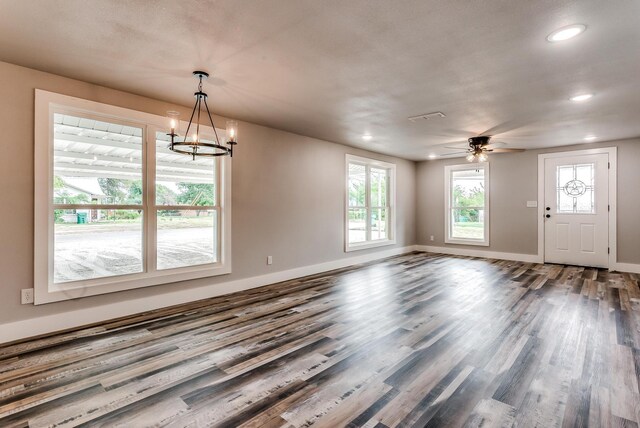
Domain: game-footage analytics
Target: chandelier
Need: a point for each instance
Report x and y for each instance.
(195, 145)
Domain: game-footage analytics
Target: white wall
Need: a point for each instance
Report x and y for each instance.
(288, 199)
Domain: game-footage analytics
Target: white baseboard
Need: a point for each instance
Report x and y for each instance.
(51, 323)
(527, 258)
(626, 267)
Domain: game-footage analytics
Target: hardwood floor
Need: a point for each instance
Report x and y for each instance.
(415, 340)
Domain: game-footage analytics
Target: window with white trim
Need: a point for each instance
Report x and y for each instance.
(467, 204)
(370, 205)
(115, 209)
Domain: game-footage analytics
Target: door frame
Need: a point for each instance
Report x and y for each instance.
(613, 197)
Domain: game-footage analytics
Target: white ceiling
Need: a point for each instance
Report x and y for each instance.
(339, 69)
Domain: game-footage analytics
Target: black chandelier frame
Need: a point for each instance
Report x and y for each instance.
(197, 147)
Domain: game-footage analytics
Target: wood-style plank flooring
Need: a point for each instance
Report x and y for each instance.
(415, 340)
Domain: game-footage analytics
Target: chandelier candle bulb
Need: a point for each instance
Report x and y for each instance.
(232, 131)
(173, 121)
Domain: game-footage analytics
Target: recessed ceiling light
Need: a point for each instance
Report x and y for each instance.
(566, 33)
(432, 156)
(367, 137)
(590, 137)
(581, 97)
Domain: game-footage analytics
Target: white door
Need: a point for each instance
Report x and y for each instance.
(576, 210)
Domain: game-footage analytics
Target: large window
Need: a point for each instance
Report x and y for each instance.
(370, 204)
(115, 209)
(467, 204)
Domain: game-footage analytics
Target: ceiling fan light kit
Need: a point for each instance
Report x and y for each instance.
(195, 146)
(478, 149)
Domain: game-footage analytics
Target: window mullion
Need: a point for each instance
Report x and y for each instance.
(449, 218)
(186, 207)
(96, 207)
(150, 215)
(218, 203)
(367, 187)
(387, 211)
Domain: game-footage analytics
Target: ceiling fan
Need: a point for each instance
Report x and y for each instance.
(479, 148)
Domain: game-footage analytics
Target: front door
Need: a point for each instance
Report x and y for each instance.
(576, 210)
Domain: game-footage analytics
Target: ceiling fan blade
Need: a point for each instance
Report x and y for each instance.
(504, 127)
(453, 153)
(508, 150)
(495, 145)
(454, 143)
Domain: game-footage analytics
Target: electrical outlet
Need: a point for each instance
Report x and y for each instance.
(26, 295)
(269, 260)
(431, 238)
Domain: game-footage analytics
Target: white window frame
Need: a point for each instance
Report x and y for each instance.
(46, 291)
(391, 203)
(448, 173)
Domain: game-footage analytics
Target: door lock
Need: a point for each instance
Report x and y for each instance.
(548, 216)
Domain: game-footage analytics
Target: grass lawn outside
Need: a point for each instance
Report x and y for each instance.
(468, 230)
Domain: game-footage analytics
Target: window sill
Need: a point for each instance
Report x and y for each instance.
(467, 242)
(75, 290)
(369, 244)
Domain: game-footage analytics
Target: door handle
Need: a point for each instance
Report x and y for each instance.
(548, 208)
(548, 216)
